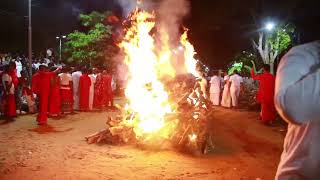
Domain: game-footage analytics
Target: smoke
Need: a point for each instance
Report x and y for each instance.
(127, 6)
(171, 14)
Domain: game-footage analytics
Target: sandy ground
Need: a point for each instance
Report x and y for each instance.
(244, 149)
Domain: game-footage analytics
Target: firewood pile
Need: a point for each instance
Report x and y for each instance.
(187, 124)
(248, 95)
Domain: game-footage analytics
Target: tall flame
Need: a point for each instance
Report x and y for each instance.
(148, 100)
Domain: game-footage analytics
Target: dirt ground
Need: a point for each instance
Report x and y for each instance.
(244, 149)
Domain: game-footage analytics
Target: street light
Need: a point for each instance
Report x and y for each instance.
(30, 39)
(60, 46)
(270, 26)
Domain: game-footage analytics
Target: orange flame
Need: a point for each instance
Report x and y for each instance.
(148, 99)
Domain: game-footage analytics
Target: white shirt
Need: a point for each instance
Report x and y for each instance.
(7, 77)
(297, 99)
(18, 68)
(236, 81)
(215, 84)
(36, 65)
(65, 79)
(75, 79)
(93, 80)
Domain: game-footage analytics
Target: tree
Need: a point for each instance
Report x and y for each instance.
(95, 45)
(241, 61)
(271, 44)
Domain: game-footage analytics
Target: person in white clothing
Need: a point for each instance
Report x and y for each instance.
(226, 98)
(297, 99)
(18, 67)
(235, 87)
(75, 79)
(93, 77)
(215, 89)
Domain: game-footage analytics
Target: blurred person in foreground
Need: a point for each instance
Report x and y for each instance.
(297, 99)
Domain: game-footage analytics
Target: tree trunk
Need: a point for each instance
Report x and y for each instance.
(272, 68)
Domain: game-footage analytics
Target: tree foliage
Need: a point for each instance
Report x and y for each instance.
(241, 61)
(94, 45)
(271, 44)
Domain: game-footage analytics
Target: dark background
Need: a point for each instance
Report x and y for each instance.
(218, 28)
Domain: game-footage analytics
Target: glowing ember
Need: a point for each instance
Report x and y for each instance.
(193, 137)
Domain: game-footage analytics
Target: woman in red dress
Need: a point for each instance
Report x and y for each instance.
(66, 90)
(98, 92)
(54, 99)
(9, 89)
(84, 90)
(107, 89)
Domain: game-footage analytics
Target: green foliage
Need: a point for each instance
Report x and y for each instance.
(89, 47)
(241, 61)
(281, 38)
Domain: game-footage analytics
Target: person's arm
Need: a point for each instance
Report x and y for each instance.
(297, 97)
(254, 76)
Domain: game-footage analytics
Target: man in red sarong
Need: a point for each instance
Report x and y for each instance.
(41, 86)
(84, 90)
(9, 89)
(54, 98)
(266, 94)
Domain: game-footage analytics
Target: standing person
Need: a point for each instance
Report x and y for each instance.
(266, 94)
(98, 91)
(235, 87)
(203, 85)
(75, 79)
(107, 89)
(66, 89)
(297, 99)
(41, 87)
(9, 89)
(84, 90)
(54, 99)
(215, 88)
(18, 67)
(23, 82)
(226, 97)
(91, 93)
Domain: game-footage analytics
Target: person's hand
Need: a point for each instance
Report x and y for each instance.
(248, 67)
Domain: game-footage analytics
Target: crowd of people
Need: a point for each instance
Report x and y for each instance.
(225, 91)
(55, 90)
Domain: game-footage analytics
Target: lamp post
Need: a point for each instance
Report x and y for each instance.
(30, 40)
(60, 46)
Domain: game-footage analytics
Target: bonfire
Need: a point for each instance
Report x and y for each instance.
(165, 105)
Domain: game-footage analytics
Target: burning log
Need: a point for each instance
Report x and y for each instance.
(162, 106)
(190, 133)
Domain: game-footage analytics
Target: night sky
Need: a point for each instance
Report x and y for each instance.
(218, 28)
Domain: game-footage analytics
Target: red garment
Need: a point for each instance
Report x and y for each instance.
(266, 95)
(15, 79)
(10, 106)
(41, 85)
(98, 93)
(84, 91)
(107, 91)
(34, 83)
(9, 102)
(54, 98)
(66, 100)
